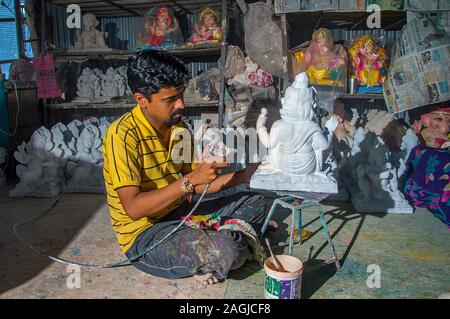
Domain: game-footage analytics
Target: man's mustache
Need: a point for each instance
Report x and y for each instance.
(177, 112)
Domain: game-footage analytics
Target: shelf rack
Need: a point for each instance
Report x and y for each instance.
(119, 8)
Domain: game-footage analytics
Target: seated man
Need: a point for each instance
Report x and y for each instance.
(146, 186)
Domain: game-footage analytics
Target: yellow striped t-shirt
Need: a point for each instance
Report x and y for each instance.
(134, 156)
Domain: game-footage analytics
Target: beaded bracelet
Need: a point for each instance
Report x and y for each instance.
(186, 185)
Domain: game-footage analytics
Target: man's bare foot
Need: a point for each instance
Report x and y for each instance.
(206, 279)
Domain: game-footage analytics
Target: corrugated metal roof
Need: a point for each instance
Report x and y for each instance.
(104, 8)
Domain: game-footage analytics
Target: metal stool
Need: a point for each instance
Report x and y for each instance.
(296, 206)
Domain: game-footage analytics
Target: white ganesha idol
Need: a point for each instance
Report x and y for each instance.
(295, 145)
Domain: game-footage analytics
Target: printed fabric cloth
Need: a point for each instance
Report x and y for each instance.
(428, 185)
(213, 222)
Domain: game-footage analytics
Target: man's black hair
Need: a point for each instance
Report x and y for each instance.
(151, 70)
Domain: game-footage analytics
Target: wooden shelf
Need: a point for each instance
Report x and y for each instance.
(109, 105)
(369, 96)
(9, 85)
(85, 106)
(184, 51)
(196, 51)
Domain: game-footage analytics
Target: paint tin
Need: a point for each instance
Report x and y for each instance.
(283, 285)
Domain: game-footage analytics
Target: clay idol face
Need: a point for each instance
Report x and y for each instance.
(440, 123)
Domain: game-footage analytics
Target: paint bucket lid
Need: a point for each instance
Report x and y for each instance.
(292, 264)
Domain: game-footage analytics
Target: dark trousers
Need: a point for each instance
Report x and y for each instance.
(190, 251)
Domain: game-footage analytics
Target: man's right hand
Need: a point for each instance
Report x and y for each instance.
(206, 170)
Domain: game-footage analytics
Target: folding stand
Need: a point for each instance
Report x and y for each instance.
(295, 204)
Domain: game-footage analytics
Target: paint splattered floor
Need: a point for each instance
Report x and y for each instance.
(412, 251)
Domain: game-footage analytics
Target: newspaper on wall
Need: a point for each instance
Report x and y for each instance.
(420, 68)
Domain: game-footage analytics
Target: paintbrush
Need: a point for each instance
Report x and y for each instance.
(275, 260)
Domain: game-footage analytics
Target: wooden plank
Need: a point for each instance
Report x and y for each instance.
(20, 85)
(223, 58)
(369, 96)
(285, 50)
(84, 106)
(43, 49)
(7, 20)
(243, 5)
(185, 51)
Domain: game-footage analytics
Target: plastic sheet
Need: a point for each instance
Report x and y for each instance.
(263, 38)
(326, 67)
(46, 82)
(235, 62)
(208, 84)
(324, 63)
(161, 30)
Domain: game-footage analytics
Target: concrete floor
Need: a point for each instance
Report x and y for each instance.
(412, 251)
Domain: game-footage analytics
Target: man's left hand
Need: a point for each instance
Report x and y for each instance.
(248, 171)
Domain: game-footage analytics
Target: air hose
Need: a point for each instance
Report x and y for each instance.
(123, 262)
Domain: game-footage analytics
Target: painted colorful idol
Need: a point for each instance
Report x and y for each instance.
(369, 61)
(161, 30)
(207, 30)
(323, 61)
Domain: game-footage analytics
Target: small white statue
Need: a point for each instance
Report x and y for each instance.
(377, 179)
(84, 83)
(91, 121)
(103, 127)
(89, 86)
(409, 141)
(85, 171)
(358, 138)
(110, 84)
(85, 177)
(39, 168)
(97, 82)
(64, 142)
(89, 145)
(63, 159)
(209, 137)
(58, 134)
(91, 39)
(41, 143)
(75, 127)
(296, 143)
(122, 81)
